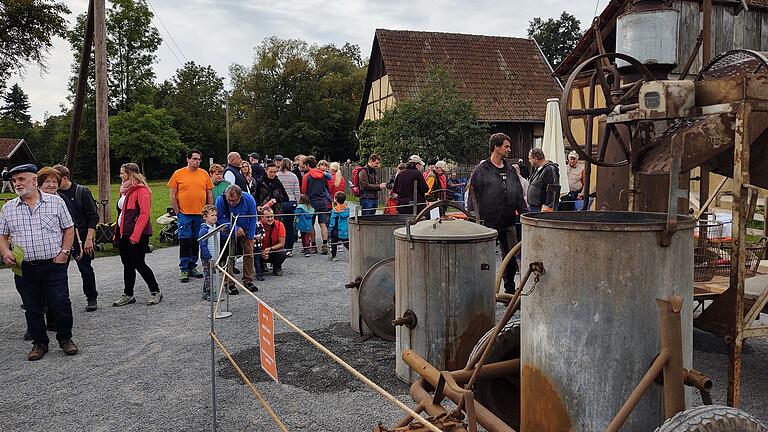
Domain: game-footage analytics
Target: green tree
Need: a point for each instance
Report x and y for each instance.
(16, 106)
(436, 122)
(297, 98)
(143, 133)
(556, 37)
(27, 28)
(195, 98)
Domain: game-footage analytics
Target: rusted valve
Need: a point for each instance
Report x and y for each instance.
(355, 284)
(408, 319)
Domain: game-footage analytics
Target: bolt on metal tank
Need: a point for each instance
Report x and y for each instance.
(444, 291)
(590, 327)
(370, 241)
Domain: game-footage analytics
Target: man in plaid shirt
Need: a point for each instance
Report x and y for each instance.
(40, 224)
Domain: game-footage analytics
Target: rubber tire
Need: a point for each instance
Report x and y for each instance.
(712, 418)
(501, 395)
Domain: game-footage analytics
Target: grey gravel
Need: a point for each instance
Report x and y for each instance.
(147, 368)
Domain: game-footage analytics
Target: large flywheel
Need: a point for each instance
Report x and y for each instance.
(619, 88)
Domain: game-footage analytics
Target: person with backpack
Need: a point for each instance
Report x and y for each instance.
(365, 180)
(339, 225)
(82, 207)
(315, 185)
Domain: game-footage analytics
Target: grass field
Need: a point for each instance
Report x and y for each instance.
(160, 202)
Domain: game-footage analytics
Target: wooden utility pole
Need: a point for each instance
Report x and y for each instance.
(82, 84)
(102, 106)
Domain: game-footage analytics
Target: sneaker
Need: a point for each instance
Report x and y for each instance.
(288, 254)
(235, 270)
(205, 297)
(324, 249)
(124, 300)
(251, 287)
(306, 254)
(38, 351)
(260, 278)
(332, 258)
(184, 276)
(278, 272)
(92, 306)
(232, 290)
(154, 298)
(195, 273)
(68, 347)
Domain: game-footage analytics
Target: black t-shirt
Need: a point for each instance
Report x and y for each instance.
(84, 214)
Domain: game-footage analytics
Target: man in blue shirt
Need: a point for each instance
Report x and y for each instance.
(235, 203)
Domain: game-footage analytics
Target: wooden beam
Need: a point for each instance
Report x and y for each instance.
(102, 107)
(82, 83)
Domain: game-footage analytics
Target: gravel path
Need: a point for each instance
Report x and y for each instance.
(147, 368)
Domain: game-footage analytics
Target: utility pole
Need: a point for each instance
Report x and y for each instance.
(226, 111)
(82, 83)
(102, 106)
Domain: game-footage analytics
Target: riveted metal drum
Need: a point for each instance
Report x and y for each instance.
(444, 291)
(590, 327)
(370, 241)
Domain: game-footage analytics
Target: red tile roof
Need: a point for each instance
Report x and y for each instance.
(506, 78)
(7, 147)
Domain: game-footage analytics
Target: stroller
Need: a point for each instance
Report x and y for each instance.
(169, 233)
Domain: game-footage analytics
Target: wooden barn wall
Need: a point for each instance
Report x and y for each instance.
(747, 30)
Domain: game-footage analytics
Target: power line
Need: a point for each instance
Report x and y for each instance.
(168, 33)
(594, 14)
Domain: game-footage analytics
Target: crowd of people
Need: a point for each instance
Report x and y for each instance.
(266, 207)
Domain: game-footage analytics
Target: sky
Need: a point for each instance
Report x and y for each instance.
(222, 32)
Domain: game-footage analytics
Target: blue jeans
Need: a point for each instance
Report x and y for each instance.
(368, 205)
(289, 207)
(42, 283)
(189, 227)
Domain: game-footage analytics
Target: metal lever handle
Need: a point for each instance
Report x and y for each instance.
(408, 319)
(355, 284)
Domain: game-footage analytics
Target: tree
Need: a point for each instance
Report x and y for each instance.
(436, 122)
(144, 132)
(26, 32)
(195, 99)
(297, 98)
(16, 106)
(556, 37)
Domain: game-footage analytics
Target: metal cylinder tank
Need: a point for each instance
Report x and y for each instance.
(444, 291)
(590, 327)
(370, 241)
(648, 32)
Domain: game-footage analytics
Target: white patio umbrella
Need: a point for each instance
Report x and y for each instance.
(552, 144)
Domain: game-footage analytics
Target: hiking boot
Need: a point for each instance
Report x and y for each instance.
(184, 276)
(92, 306)
(124, 300)
(324, 249)
(232, 290)
(195, 273)
(154, 298)
(251, 287)
(278, 272)
(68, 347)
(38, 351)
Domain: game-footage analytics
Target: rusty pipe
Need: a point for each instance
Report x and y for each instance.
(424, 402)
(431, 375)
(672, 343)
(489, 371)
(638, 392)
(696, 379)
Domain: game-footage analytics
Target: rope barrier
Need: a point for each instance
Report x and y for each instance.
(249, 383)
(405, 408)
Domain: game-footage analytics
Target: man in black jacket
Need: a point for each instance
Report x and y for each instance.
(368, 181)
(82, 207)
(545, 173)
(495, 188)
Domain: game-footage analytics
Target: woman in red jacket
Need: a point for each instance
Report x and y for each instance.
(336, 183)
(133, 232)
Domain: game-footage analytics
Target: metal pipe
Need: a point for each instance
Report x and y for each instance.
(637, 393)
(485, 417)
(672, 343)
(504, 263)
(698, 380)
(424, 402)
(489, 371)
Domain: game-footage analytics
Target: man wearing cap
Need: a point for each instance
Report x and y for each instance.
(40, 225)
(257, 171)
(437, 181)
(405, 182)
(370, 185)
(575, 176)
(190, 190)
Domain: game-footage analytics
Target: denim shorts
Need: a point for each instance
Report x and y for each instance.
(324, 217)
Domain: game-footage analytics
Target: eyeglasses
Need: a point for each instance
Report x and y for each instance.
(195, 158)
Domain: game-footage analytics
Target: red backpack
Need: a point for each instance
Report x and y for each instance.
(356, 180)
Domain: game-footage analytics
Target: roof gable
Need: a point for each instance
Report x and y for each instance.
(506, 78)
(9, 146)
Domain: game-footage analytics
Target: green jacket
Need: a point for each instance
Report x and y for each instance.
(218, 189)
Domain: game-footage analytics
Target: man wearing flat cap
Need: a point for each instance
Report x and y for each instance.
(40, 224)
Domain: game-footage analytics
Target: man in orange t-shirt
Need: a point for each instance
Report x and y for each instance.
(273, 242)
(191, 189)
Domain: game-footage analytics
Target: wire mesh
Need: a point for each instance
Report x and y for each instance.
(754, 253)
(707, 237)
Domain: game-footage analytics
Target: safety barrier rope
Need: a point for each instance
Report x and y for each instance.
(405, 408)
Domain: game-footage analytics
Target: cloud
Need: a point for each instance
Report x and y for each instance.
(222, 32)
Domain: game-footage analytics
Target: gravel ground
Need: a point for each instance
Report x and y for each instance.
(148, 368)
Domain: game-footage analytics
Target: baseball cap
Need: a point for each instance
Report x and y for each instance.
(441, 164)
(254, 155)
(416, 159)
(573, 154)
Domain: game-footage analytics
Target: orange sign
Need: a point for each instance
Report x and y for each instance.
(267, 341)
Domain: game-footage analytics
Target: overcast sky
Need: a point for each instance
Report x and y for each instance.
(222, 32)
